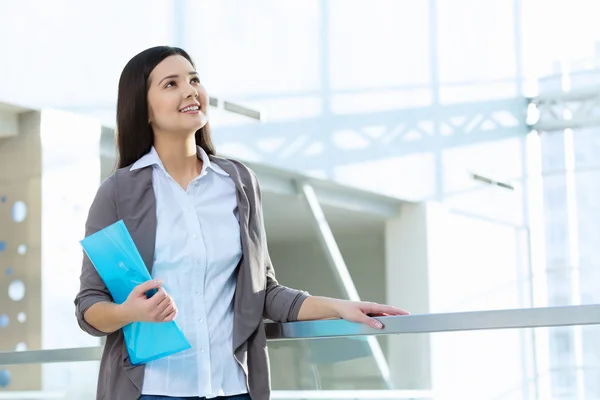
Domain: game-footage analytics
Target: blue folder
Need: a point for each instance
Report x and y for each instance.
(116, 258)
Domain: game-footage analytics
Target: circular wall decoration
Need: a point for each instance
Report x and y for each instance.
(16, 290)
(4, 321)
(21, 347)
(22, 249)
(22, 317)
(19, 211)
(4, 378)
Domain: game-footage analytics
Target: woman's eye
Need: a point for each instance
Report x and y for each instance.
(197, 80)
(172, 83)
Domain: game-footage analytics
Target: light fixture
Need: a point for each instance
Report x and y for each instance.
(492, 182)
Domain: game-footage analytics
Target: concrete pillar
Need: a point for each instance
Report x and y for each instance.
(407, 286)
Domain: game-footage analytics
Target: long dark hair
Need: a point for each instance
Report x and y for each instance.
(134, 134)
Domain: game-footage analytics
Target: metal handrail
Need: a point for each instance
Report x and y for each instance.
(446, 322)
(420, 323)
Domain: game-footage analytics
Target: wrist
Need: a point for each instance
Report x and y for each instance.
(122, 314)
(331, 307)
(317, 307)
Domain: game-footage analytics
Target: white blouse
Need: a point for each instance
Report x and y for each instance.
(197, 252)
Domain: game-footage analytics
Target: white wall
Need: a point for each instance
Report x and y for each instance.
(446, 262)
(476, 265)
(70, 179)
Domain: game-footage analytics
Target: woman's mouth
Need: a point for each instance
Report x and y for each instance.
(190, 110)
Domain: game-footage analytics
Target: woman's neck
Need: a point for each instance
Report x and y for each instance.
(179, 157)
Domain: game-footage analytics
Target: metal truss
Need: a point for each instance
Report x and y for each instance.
(354, 138)
(565, 110)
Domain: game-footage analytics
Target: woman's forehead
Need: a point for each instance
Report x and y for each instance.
(172, 65)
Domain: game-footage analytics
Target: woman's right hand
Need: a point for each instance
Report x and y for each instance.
(158, 308)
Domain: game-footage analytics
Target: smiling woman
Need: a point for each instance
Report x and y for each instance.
(197, 222)
(150, 103)
(177, 103)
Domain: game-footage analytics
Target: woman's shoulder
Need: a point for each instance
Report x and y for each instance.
(107, 187)
(125, 178)
(109, 183)
(245, 173)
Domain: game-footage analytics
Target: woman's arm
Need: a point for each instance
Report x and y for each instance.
(92, 290)
(283, 304)
(109, 317)
(96, 312)
(316, 307)
(106, 317)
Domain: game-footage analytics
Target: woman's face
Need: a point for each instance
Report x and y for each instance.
(177, 102)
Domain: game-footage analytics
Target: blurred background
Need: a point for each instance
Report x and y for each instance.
(450, 144)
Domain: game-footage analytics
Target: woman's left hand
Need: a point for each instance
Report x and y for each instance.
(361, 311)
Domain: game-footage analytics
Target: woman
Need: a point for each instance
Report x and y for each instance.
(197, 221)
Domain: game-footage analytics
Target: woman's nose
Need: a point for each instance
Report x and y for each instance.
(191, 92)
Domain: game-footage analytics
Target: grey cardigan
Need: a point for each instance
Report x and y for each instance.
(128, 195)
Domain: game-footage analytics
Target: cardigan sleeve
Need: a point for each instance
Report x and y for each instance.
(282, 304)
(102, 213)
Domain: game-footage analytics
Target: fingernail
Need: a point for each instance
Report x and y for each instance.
(378, 325)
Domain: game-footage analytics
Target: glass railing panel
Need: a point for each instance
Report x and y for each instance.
(555, 363)
(64, 381)
(497, 355)
(325, 364)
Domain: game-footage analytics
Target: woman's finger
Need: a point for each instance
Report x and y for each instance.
(171, 316)
(363, 318)
(158, 297)
(168, 310)
(384, 309)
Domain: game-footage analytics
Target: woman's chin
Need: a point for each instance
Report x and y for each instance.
(202, 124)
(196, 125)
(198, 121)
